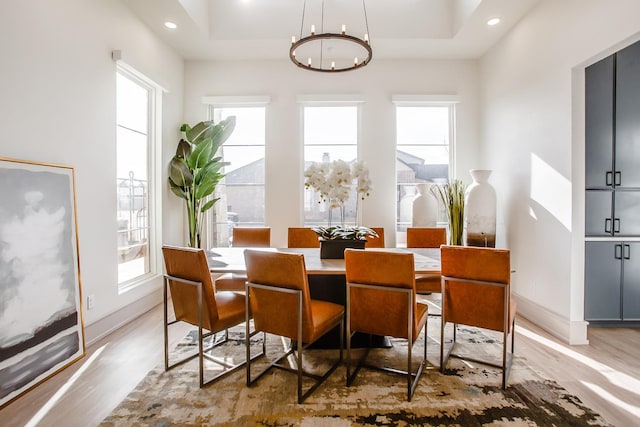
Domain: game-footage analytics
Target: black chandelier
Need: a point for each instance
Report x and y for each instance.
(313, 45)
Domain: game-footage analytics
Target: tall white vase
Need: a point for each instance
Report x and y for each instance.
(480, 210)
(405, 204)
(425, 206)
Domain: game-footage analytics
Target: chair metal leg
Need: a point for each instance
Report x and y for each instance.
(298, 352)
(507, 357)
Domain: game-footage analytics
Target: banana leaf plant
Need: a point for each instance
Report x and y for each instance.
(194, 171)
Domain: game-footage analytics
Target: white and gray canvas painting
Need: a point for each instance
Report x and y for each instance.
(38, 282)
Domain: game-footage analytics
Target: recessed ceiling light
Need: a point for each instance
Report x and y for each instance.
(170, 25)
(493, 21)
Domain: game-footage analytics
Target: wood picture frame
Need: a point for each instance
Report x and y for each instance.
(41, 321)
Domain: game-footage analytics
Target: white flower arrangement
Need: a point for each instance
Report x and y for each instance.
(334, 181)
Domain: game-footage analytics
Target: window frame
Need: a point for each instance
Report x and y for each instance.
(154, 141)
(221, 102)
(328, 101)
(427, 101)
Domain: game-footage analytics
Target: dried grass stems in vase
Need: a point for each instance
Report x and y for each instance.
(451, 195)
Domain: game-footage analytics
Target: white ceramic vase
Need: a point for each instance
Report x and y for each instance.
(480, 210)
(425, 206)
(405, 204)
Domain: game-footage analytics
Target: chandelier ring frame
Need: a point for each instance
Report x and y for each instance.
(330, 36)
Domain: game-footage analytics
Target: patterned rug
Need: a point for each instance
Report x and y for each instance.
(465, 395)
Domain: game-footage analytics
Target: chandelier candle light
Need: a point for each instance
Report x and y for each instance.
(335, 41)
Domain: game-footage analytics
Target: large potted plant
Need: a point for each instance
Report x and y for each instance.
(194, 171)
(334, 240)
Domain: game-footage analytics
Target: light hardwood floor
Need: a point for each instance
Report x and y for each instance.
(605, 375)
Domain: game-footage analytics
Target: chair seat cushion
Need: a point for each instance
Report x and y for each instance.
(231, 307)
(426, 283)
(325, 316)
(230, 282)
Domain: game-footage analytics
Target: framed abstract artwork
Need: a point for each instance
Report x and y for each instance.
(41, 324)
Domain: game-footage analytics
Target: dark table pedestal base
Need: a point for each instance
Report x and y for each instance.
(333, 288)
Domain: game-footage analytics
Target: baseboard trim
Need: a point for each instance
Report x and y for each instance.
(114, 321)
(571, 332)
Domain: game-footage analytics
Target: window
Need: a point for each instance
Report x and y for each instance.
(323, 143)
(135, 181)
(423, 153)
(241, 192)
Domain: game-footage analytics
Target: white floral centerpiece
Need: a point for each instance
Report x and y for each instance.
(334, 182)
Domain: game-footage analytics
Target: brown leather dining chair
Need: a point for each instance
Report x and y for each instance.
(376, 242)
(302, 237)
(277, 292)
(476, 292)
(427, 238)
(381, 300)
(194, 302)
(243, 237)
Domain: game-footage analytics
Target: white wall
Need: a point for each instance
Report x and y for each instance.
(532, 103)
(381, 79)
(57, 82)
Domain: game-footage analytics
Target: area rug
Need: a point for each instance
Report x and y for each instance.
(465, 395)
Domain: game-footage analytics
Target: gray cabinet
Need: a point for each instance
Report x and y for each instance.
(612, 145)
(612, 188)
(612, 281)
(627, 117)
(599, 101)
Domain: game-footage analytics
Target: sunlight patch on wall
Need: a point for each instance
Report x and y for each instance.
(551, 190)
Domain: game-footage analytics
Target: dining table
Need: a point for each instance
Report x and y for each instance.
(326, 277)
(231, 260)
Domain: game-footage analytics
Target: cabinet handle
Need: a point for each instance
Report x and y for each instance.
(627, 252)
(609, 178)
(607, 225)
(616, 225)
(618, 179)
(617, 253)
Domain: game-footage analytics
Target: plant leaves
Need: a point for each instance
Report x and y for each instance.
(209, 204)
(201, 155)
(180, 172)
(207, 185)
(176, 189)
(213, 166)
(199, 132)
(183, 150)
(222, 131)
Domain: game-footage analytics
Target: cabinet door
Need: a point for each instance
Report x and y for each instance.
(603, 273)
(626, 220)
(627, 117)
(598, 215)
(631, 281)
(599, 95)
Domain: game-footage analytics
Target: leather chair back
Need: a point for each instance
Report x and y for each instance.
(376, 311)
(376, 242)
(256, 237)
(474, 304)
(190, 264)
(426, 237)
(276, 312)
(302, 237)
